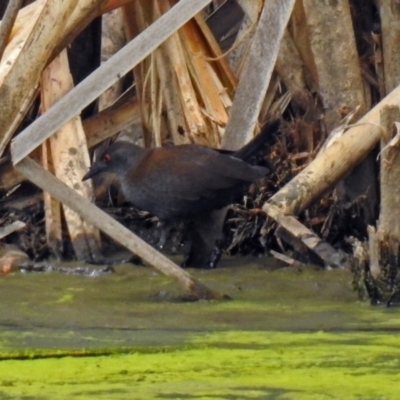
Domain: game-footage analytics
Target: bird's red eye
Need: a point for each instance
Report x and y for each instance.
(107, 157)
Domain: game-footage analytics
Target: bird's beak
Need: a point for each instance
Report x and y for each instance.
(96, 168)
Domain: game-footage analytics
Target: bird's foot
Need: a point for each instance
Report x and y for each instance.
(202, 261)
(215, 256)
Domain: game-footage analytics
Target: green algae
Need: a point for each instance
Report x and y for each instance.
(65, 298)
(225, 365)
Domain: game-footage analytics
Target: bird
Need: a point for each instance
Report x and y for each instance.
(188, 182)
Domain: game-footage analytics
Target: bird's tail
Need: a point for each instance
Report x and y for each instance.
(259, 143)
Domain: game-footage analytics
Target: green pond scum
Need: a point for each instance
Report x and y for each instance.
(224, 365)
(287, 334)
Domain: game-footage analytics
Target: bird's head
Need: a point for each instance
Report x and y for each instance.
(118, 158)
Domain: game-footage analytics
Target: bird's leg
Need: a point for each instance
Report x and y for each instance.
(193, 258)
(205, 247)
(215, 255)
(164, 228)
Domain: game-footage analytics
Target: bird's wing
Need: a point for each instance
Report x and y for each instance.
(195, 179)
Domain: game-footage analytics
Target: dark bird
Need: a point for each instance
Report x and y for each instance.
(185, 182)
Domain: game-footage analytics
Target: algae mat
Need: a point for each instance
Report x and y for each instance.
(237, 365)
(294, 334)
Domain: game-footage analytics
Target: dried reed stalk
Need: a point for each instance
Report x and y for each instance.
(52, 209)
(70, 158)
(336, 59)
(8, 21)
(33, 47)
